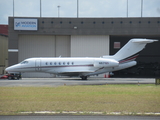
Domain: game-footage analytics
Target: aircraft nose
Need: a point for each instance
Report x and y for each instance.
(8, 69)
(11, 69)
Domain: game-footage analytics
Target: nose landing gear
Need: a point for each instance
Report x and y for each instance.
(14, 76)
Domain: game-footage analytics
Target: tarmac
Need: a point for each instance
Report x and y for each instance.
(54, 82)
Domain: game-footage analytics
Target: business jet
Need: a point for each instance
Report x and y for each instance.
(84, 66)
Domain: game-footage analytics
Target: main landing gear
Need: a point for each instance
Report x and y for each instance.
(84, 77)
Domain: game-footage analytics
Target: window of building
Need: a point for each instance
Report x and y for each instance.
(117, 45)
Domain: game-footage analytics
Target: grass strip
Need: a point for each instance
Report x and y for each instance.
(101, 98)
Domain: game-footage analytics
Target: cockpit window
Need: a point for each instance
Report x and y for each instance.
(24, 62)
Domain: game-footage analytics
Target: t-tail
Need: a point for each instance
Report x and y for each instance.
(129, 52)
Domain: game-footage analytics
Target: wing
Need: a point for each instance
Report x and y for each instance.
(75, 73)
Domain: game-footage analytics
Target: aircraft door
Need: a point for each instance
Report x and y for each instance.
(38, 65)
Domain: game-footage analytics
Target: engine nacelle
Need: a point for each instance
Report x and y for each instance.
(101, 62)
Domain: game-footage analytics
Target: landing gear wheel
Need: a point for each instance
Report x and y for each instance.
(9, 78)
(84, 77)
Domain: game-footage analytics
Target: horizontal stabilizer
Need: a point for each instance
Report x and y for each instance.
(143, 40)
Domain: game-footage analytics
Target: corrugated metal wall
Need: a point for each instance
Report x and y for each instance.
(36, 46)
(89, 45)
(42, 46)
(62, 46)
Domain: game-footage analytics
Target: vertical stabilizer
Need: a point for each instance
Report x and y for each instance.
(131, 50)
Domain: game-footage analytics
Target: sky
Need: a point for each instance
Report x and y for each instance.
(87, 8)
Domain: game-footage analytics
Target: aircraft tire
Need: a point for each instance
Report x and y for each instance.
(9, 78)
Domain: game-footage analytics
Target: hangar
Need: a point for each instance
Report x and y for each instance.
(83, 37)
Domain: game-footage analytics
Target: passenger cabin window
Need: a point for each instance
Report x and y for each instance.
(24, 62)
(58, 63)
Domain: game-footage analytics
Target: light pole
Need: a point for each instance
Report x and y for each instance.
(127, 8)
(58, 10)
(40, 8)
(13, 8)
(141, 8)
(77, 8)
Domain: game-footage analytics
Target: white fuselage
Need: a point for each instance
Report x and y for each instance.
(69, 66)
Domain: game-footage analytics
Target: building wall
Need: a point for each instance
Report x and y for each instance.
(89, 45)
(3, 53)
(62, 46)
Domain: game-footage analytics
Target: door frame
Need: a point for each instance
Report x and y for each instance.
(38, 65)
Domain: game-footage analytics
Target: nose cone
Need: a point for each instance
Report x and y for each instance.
(7, 69)
(11, 69)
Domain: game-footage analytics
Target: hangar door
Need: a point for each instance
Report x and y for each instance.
(89, 45)
(42, 46)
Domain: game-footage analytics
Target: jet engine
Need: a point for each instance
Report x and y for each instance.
(100, 62)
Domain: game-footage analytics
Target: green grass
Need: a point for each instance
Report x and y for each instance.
(102, 98)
